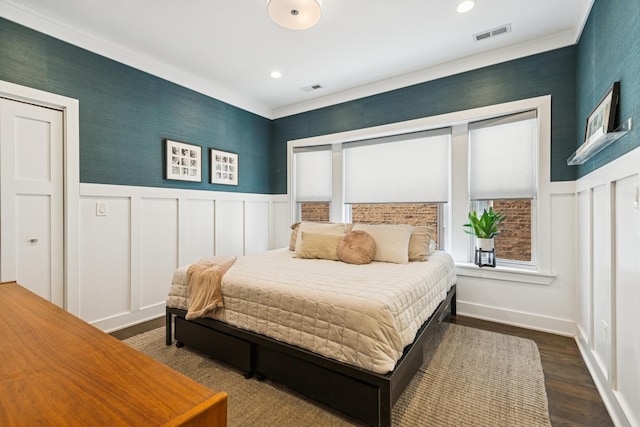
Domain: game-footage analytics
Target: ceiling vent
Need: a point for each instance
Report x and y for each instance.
(492, 33)
(311, 88)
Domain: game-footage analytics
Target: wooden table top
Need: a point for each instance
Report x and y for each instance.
(56, 369)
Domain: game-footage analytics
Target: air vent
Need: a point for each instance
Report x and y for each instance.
(312, 87)
(492, 33)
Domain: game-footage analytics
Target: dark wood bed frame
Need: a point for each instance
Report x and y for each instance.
(361, 394)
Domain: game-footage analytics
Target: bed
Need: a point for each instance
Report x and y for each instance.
(348, 336)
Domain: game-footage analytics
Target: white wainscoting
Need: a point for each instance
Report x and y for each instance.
(526, 302)
(128, 256)
(608, 279)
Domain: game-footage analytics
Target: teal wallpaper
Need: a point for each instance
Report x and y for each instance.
(543, 74)
(609, 51)
(125, 114)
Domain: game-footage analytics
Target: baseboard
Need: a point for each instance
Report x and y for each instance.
(518, 318)
(125, 320)
(608, 396)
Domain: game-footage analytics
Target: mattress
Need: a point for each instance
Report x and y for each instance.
(363, 315)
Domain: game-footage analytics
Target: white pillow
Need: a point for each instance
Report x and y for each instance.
(392, 241)
(317, 227)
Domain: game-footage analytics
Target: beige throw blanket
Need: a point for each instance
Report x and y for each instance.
(204, 280)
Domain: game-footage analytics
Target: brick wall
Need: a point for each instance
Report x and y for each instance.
(513, 242)
(315, 212)
(388, 213)
(424, 214)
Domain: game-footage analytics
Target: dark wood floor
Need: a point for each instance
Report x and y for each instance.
(573, 398)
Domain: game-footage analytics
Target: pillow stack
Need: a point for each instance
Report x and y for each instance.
(361, 243)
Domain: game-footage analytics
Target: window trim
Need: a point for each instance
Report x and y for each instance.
(456, 215)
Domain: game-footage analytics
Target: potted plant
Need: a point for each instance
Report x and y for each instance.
(485, 227)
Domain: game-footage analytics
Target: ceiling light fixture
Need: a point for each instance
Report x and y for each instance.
(465, 6)
(276, 74)
(295, 14)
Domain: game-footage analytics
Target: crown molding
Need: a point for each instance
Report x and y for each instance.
(30, 18)
(22, 15)
(469, 63)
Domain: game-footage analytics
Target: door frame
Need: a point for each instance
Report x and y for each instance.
(71, 175)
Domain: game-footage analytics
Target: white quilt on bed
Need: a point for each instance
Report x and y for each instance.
(363, 315)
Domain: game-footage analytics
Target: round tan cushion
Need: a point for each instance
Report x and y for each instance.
(357, 247)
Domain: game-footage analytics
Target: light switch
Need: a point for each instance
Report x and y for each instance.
(101, 208)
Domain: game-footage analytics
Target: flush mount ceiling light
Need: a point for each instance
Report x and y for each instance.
(465, 5)
(275, 74)
(295, 14)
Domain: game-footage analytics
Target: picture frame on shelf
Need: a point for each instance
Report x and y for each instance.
(602, 118)
(224, 167)
(183, 161)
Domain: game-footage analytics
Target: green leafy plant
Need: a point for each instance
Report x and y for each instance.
(485, 226)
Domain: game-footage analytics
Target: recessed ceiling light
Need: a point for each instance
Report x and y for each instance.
(276, 74)
(465, 5)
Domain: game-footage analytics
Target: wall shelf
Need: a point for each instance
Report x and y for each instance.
(594, 145)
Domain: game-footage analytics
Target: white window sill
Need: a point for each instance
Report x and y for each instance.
(508, 274)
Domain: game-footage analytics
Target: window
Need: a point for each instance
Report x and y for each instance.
(385, 185)
(404, 168)
(502, 161)
(313, 182)
(502, 174)
(432, 171)
(514, 240)
(514, 243)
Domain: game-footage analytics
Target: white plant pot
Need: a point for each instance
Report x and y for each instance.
(484, 244)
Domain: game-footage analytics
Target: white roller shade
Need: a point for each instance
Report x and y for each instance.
(502, 157)
(404, 168)
(313, 170)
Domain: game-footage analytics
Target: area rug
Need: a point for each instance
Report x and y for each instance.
(469, 378)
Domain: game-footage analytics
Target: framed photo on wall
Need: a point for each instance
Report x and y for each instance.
(224, 167)
(183, 162)
(602, 118)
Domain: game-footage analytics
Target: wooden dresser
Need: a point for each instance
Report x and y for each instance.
(57, 370)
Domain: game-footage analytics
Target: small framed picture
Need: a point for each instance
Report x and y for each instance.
(224, 167)
(602, 118)
(183, 161)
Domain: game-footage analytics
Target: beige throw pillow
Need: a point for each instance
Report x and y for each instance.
(392, 241)
(320, 245)
(294, 236)
(420, 244)
(357, 247)
(317, 227)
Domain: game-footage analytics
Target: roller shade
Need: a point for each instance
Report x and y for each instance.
(502, 157)
(313, 170)
(412, 168)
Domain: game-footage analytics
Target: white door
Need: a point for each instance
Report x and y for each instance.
(31, 198)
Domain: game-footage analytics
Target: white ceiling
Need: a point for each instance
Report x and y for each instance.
(227, 48)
